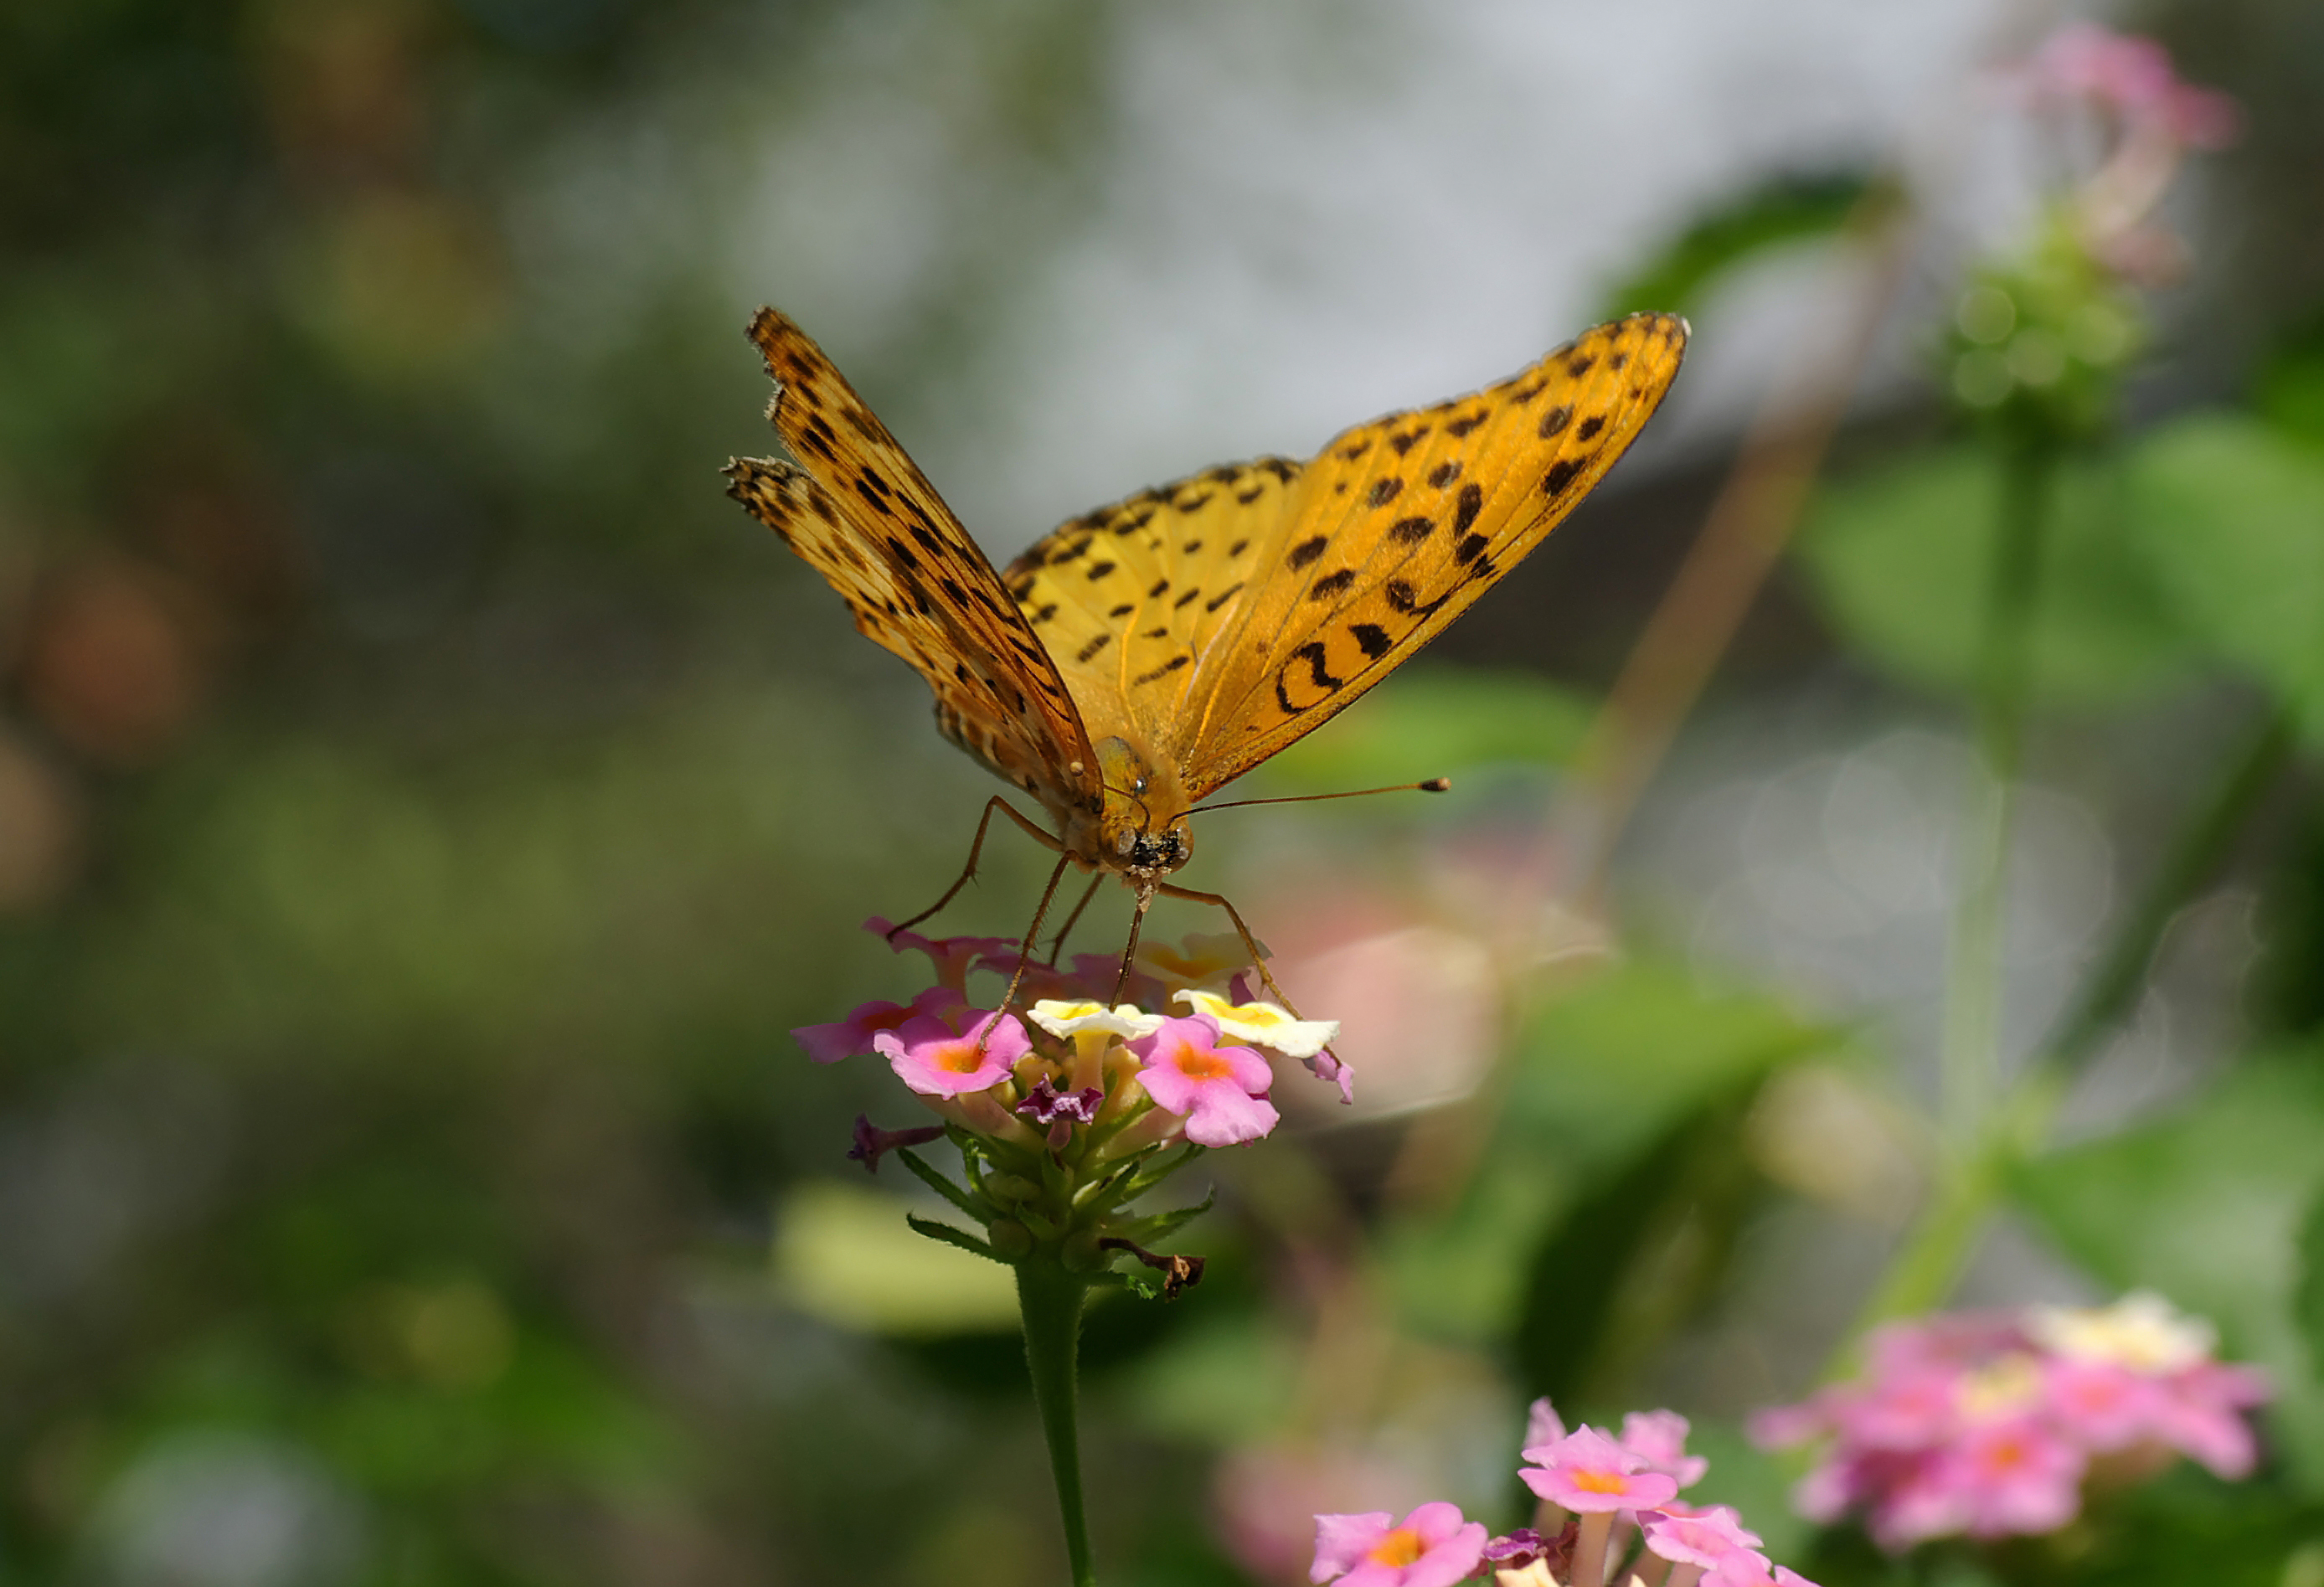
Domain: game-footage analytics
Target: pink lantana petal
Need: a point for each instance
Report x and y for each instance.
(935, 1060)
(1702, 1538)
(1433, 1546)
(1543, 1427)
(952, 956)
(852, 1036)
(1589, 1473)
(1341, 1541)
(1659, 1438)
(1219, 1091)
(1744, 1567)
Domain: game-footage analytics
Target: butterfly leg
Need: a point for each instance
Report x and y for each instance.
(1025, 946)
(1130, 949)
(1257, 959)
(976, 849)
(1058, 944)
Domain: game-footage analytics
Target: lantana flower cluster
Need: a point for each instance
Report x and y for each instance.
(1059, 1114)
(1992, 1424)
(1610, 1508)
(2045, 334)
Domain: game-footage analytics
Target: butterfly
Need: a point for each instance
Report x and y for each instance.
(1142, 657)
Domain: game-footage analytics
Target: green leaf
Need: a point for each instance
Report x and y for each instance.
(2229, 514)
(1600, 1077)
(1633, 1259)
(1900, 559)
(2206, 1207)
(1785, 210)
(2290, 393)
(1436, 720)
(2307, 1299)
(1605, 1070)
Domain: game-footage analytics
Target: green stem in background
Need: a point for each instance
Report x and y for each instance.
(1051, 1299)
(1970, 1062)
(2193, 856)
(1925, 1269)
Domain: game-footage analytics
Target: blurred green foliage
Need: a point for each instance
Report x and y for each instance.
(1899, 555)
(1789, 210)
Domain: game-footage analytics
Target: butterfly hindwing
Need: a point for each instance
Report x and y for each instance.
(1130, 599)
(861, 514)
(1397, 526)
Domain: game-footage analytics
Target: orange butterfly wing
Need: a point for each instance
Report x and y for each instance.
(861, 514)
(1227, 615)
(1399, 525)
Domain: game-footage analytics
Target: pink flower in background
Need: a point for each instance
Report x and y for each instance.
(936, 1058)
(2202, 1415)
(1986, 1423)
(2134, 78)
(1433, 1546)
(1604, 1506)
(1220, 1091)
(2099, 1405)
(2015, 1476)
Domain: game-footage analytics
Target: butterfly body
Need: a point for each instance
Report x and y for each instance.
(1141, 657)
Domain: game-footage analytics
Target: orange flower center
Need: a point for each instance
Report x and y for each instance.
(961, 1059)
(1399, 1547)
(1602, 1482)
(1201, 1065)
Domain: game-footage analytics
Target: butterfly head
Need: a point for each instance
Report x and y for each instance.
(1141, 829)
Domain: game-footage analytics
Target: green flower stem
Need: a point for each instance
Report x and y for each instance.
(1925, 1269)
(1050, 1300)
(1969, 1064)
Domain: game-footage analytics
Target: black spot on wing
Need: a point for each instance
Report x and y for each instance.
(1469, 504)
(1167, 667)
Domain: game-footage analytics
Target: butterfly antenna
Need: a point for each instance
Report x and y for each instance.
(1434, 785)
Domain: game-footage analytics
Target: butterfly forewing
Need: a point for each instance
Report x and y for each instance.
(1393, 529)
(1131, 599)
(861, 513)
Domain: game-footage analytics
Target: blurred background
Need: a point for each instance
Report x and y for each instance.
(425, 803)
